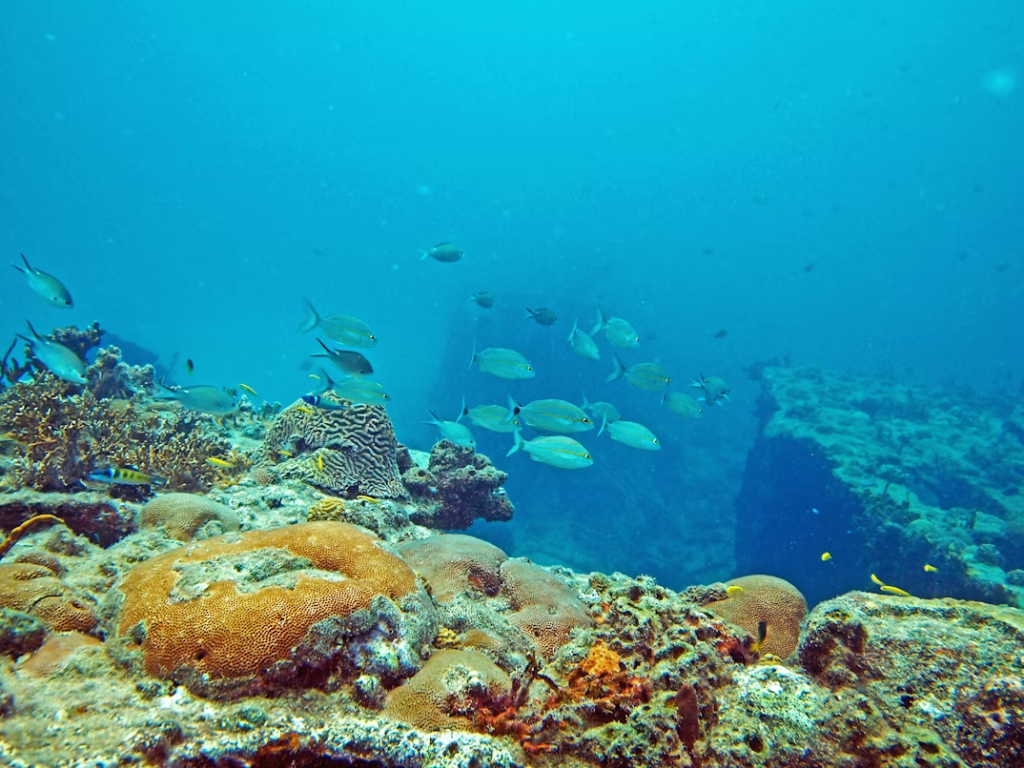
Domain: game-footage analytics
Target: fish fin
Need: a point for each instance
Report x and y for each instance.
(620, 369)
(328, 382)
(663, 396)
(326, 348)
(575, 327)
(462, 411)
(696, 384)
(601, 322)
(32, 330)
(513, 410)
(518, 443)
(473, 358)
(604, 423)
(312, 318)
(587, 405)
(530, 314)
(423, 254)
(436, 421)
(18, 268)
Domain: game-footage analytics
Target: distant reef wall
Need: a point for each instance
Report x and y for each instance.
(886, 479)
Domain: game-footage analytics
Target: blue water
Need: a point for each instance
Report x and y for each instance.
(842, 186)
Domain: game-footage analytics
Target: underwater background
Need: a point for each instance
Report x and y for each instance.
(836, 187)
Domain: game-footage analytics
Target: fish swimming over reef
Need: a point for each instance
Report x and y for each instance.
(353, 389)
(552, 415)
(46, 285)
(556, 450)
(484, 298)
(347, 361)
(503, 363)
(453, 431)
(447, 252)
(204, 398)
(714, 388)
(58, 359)
(321, 402)
(619, 332)
(124, 476)
(582, 344)
(492, 417)
(649, 376)
(601, 411)
(344, 329)
(543, 316)
(682, 404)
(631, 434)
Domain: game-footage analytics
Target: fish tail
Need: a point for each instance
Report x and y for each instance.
(513, 410)
(17, 267)
(463, 410)
(620, 369)
(328, 382)
(601, 322)
(604, 423)
(529, 313)
(326, 348)
(664, 396)
(518, 444)
(473, 358)
(423, 254)
(32, 330)
(312, 319)
(575, 327)
(587, 405)
(436, 421)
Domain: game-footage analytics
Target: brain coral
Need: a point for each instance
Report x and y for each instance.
(454, 563)
(36, 590)
(243, 613)
(351, 451)
(543, 606)
(767, 599)
(451, 686)
(183, 514)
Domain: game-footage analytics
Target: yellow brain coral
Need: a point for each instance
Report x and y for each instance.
(36, 590)
(767, 599)
(183, 514)
(455, 563)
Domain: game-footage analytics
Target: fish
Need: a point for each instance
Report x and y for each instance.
(320, 462)
(214, 461)
(305, 410)
(552, 415)
(619, 332)
(484, 298)
(318, 401)
(453, 431)
(347, 361)
(714, 388)
(492, 417)
(762, 635)
(190, 366)
(447, 252)
(248, 389)
(734, 589)
(503, 363)
(344, 329)
(543, 316)
(601, 411)
(682, 404)
(930, 569)
(124, 476)
(555, 450)
(204, 398)
(895, 591)
(826, 557)
(47, 286)
(649, 376)
(58, 359)
(355, 390)
(582, 344)
(368, 499)
(631, 434)
(877, 580)
(721, 334)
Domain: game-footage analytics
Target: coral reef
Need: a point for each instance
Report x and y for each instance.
(97, 516)
(769, 608)
(182, 515)
(388, 519)
(457, 487)
(890, 477)
(349, 452)
(37, 591)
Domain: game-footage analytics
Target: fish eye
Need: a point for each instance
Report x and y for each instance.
(586, 456)
(656, 441)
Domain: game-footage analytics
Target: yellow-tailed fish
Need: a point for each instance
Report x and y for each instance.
(503, 363)
(631, 434)
(320, 462)
(124, 476)
(219, 462)
(492, 417)
(452, 430)
(552, 415)
(714, 387)
(344, 329)
(682, 404)
(205, 399)
(446, 252)
(58, 359)
(369, 499)
(619, 332)
(732, 590)
(877, 580)
(601, 411)
(582, 344)
(649, 376)
(895, 591)
(314, 376)
(556, 450)
(248, 389)
(361, 391)
(304, 409)
(930, 568)
(47, 286)
(826, 557)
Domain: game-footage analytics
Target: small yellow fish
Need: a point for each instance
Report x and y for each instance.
(826, 557)
(304, 409)
(220, 462)
(895, 591)
(248, 389)
(369, 499)
(320, 462)
(877, 580)
(931, 569)
(733, 590)
(286, 454)
(314, 376)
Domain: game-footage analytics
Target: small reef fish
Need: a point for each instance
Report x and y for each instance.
(552, 415)
(204, 398)
(631, 434)
(248, 389)
(649, 376)
(305, 410)
(317, 401)
(214, 461)
(320, 462)
(368, 499)
(895, 591)
(601, 411)
(58, 359)
(190, 366)
(344, 329)
(762, 635)
(733, 589)
(682, 404)
(503, 363)
(714, 388)
(721, 334)
(930, 569)
(447, 252)
(542, 316)
(877, 580)
(484, 298)
(492, 417)
(355, 390)
(582, 344)
(619, 332)
(124, 476)
(555, 450)
(453, 431)
(347, 361)
(47, 286)
(826, 557)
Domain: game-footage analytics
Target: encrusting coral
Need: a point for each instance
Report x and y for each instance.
(39, 592)
(767, 607)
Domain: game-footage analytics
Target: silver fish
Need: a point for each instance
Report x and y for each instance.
(344, 329)
(649, 376)
(601, 411)
(353, 389)
(492, 417)
(714, 388)
(682, 404)
(58, 359)
(552, 415)
(619, 332)
(543, 316)
(503, 363)
(47, 286)
(352, 363)
(447, 252)
(556, 450)
(453, 431)
(203, 398)
(582, 344)
(631, 434)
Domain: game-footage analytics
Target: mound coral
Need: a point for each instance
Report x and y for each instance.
(454, 563)
(38, 592)
(246, 613)
(183, 514)
(768, 607)
(348, 452)
(543, 606)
